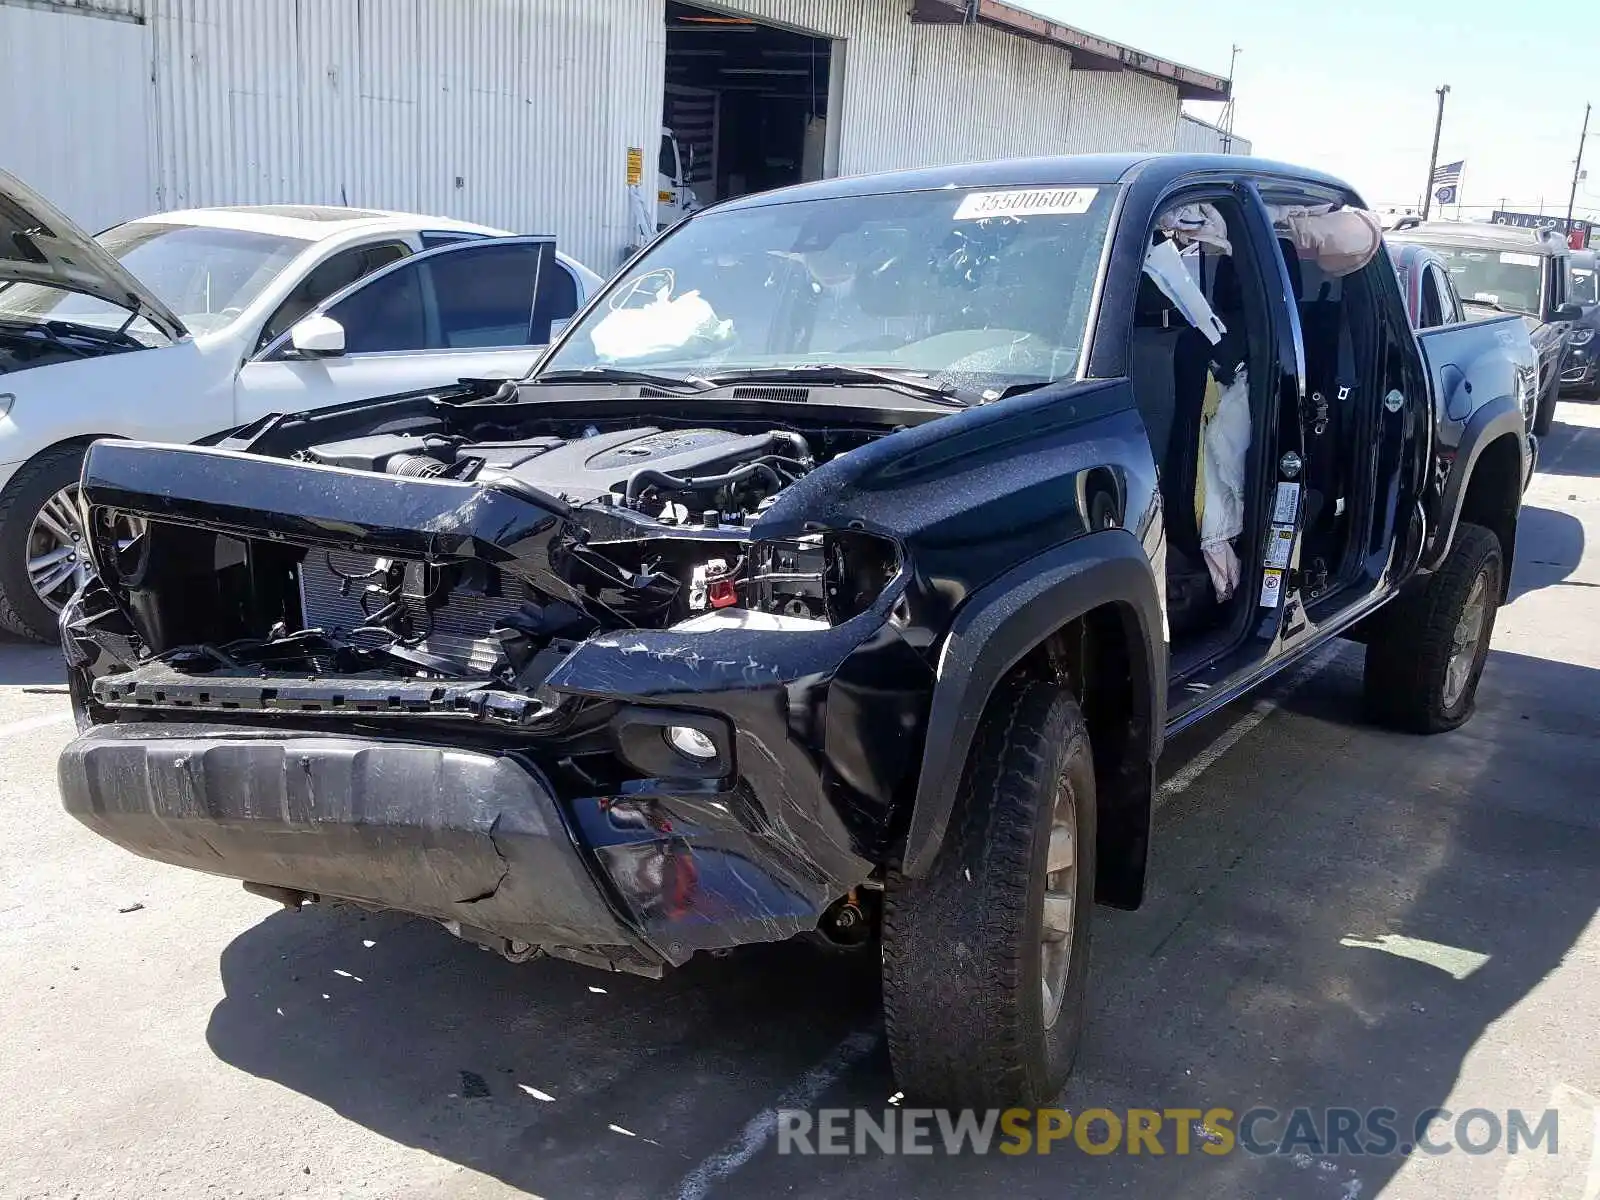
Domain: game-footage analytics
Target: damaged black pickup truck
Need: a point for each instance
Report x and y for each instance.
(839, 572)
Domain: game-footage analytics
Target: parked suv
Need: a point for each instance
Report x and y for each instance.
(840, 570)
(1499, 269)
(1582, 374)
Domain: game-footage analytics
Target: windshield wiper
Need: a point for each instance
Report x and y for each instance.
(1497, 306)
(911, 383)
(677, 383)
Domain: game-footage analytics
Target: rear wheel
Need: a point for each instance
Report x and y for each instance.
(42, 551)
(985, 961)
(1427, 652)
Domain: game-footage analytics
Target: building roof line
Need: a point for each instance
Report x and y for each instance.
(1089, 51)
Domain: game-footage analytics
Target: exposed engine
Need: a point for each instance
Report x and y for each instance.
(673, 474)
(674, 505)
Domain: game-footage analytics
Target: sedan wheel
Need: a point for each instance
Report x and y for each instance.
(57, 563)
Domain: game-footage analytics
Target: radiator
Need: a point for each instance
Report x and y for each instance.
(458, 631)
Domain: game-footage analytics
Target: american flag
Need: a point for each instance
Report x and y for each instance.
(1449, 175)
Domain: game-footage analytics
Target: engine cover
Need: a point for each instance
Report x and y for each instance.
(589, 467)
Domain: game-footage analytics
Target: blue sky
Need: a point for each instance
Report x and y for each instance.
(1349, 86)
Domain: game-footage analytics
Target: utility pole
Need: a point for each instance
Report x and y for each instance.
(1433, 159)
(1577, 167)
(1227, 113)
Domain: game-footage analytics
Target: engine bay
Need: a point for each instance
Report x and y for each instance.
(644, 525)
(647, 469)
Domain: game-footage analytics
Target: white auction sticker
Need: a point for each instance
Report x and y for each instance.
(1032, 202)
(1513, 259)
(1287, 504)
(1280, 544)
(1271, 589)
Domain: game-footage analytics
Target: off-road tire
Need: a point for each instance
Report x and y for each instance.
(21, 610)
(962, 999)
(1412, 641)
(1544, 412)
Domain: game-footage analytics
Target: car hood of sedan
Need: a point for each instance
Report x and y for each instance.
(40, 244)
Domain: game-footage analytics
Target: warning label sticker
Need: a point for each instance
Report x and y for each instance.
(1031, 202)
(1271, 589)
(1280, 544)
(1287, 504)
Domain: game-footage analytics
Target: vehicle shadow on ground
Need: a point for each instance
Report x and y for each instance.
(30, 664)
(1550, 549)
(557, 1079)
(1234, 987)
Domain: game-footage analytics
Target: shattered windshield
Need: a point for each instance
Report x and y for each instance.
(1506, 279)
(984, 289)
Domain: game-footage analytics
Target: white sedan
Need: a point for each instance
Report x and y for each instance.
(180, 325)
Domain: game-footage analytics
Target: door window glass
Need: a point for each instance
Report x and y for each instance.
(1449, 310)
(486, 295)
(1432, 308)
(327, 277)
(388, 314)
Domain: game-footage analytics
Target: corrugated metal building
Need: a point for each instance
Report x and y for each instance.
(521, 113)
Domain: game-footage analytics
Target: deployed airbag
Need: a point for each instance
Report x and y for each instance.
(1224, 450)
(1339, 240)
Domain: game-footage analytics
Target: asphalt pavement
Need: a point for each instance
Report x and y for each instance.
(1340, 918)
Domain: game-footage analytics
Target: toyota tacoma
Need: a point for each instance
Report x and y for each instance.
(838, 572)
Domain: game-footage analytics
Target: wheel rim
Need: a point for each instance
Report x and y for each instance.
(58, 560)
(1060, 902)
(1466, 641)
(57, 564)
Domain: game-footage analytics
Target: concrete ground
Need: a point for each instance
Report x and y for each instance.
(166, 1033)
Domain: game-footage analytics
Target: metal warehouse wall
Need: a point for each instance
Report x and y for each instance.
(509, 112)
(1199, 137)
(916, 95)
(75, 91)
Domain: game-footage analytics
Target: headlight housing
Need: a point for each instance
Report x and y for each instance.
(1580, 337)
(831, 576)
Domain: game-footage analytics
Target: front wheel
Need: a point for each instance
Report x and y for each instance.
(985, 962)
(42, 551)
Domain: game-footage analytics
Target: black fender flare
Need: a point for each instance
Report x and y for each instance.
(1493, 420)
(1002, 623)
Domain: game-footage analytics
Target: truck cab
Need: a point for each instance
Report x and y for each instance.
(675, 195)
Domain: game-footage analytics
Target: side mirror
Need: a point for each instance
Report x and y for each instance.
(317, 337)
(1567, 312)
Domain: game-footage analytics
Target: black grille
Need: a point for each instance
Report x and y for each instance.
(458, 631)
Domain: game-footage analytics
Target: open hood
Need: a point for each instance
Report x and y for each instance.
(40, 244)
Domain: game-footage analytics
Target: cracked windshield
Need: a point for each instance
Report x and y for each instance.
(980, 290)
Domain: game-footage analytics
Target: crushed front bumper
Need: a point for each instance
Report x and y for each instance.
(453, 834)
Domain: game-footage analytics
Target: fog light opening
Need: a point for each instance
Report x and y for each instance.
(691, 743)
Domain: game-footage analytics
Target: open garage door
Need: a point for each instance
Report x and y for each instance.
(746, 102)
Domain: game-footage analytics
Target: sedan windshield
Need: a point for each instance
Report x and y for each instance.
(980, 290)
(1503, 279)
(207, 276)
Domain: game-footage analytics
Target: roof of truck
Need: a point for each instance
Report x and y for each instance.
(1076, 170)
